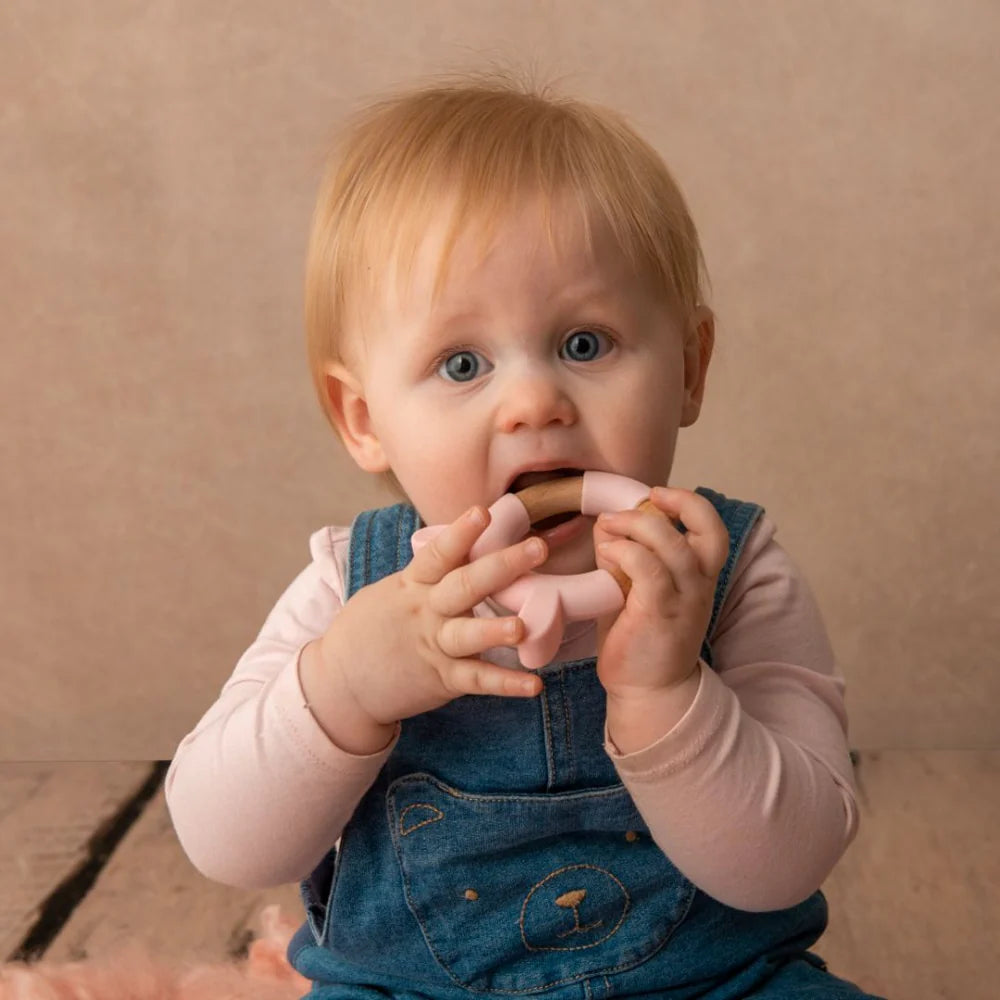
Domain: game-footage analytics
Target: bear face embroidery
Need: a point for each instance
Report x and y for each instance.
(573, 907)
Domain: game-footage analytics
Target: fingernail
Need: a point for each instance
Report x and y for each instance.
(535, 548)
(476, 515)
(511, 627)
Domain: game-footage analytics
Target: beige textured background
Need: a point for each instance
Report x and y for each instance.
(163, 460)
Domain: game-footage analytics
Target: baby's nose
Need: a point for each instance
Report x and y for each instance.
(534, 400)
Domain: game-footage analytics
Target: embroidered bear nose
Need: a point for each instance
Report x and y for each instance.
(571, 900)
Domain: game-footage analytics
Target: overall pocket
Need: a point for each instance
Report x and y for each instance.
(520, 893)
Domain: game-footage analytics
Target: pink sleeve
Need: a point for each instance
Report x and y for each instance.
(751, 793)
(257, 791)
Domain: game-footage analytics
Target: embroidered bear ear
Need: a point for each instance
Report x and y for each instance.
(417, 815)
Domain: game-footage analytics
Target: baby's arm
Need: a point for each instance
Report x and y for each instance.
(751, 793)
(258, 792)
(263, 786)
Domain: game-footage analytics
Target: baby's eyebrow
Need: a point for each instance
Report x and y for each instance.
(458, 317)
(601, 295)
(443, 322)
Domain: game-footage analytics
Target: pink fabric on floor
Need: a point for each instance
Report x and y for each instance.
(132, 973)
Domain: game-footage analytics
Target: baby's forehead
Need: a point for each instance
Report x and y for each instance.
(542, 236)
(437, 264)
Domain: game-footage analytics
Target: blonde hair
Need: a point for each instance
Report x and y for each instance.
(480, 141)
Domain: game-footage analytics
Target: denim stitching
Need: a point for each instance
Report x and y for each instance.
(567, 725)
(406, 525)
(570, 666)
(576, 914)
(359, 569)
(369, 549)
(531, 989)
(550, 764)
(408, 887)
(419, 805)
(399, 538)
(455, 793)
(579, 947)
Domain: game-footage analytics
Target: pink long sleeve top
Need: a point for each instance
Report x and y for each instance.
(750, 794)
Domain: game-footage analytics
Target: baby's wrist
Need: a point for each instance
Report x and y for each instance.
(334, 706)
(637, 720)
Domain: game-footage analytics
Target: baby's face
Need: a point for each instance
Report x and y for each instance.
(532, 360)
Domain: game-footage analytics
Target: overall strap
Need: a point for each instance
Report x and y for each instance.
(739, 517)
(380, 544)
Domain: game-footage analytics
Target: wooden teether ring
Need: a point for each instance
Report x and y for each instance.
(565, 496)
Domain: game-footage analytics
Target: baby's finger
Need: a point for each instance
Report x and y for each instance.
(449, 548)
(479, 677)
(653, 585)
(462, 637)
(706, 533)
(657, 533)
(468, 585)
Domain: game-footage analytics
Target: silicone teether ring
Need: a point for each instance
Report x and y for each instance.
(545, 602)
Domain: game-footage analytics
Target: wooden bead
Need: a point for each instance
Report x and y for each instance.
(555, 496)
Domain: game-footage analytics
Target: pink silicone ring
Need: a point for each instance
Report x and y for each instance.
(544, 601)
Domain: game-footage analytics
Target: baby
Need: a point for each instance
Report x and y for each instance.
(504, 287)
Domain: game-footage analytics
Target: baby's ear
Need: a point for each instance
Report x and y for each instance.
(698, 344)
(349, 412)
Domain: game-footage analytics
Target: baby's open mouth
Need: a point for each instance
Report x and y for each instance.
(527, 479)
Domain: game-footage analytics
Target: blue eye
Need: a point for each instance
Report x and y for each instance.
(585, 345)
(462, 366)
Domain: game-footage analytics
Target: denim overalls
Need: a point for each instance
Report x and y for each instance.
(498, 854)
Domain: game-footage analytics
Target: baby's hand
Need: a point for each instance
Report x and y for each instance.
(409, 642)
(655, 641)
